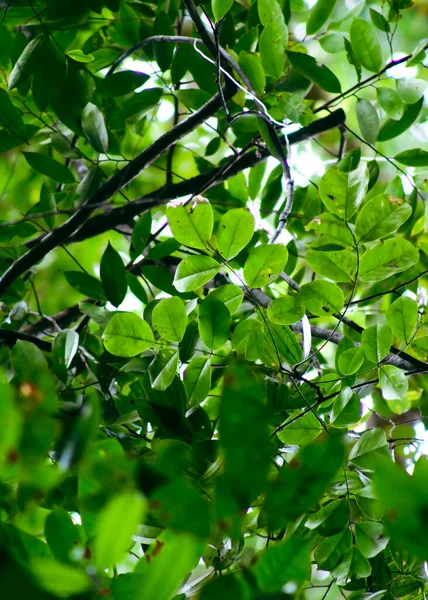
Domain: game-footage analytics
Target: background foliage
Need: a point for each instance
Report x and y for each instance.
(222, 396)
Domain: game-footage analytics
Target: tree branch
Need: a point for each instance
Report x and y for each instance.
(10, 337)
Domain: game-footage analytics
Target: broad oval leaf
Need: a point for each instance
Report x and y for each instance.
(214, 323)
(220, 8)
(338, 265)
(393, 382)
(286, 310)
(235, 230)
(300, 431)
(194, 271)
(368, 120)
(391, 102)
(376, 342)
(366, 45)
(346, 409)
(113, 276)
(231, 296)
(86, 284)
(272, 44)
(319, 15)
(248, 339)
(386, 259)
(321, 75)
(402, 318)
(94, 127)
(411, 90)
(379, 217)
(413, 158)
(116, 524)
(49, 167)
(170, 319)
(191, 224)
(392, 128)
(197, 379)
(163, 368)
(371, 445)
(321, 298)
(263, 263)
(121, 83)
(127, 335)
(350, 360)
(341, 192)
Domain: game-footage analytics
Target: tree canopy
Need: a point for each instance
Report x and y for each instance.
(213, 338)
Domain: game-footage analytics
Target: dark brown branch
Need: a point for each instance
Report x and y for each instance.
(11, 337)
(61, 234)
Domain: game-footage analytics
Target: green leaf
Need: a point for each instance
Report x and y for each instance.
(191, 224)
(339, 265)
(319, 15)
(376, 342)
(94, 127)
(127, 335)
(282, 563)
(393, 382)
(231, 296)
(25, 63)
(47, 203)
(420, 347)
(65, 346)
(381, 216)
(330, 519)
(220, 8)
(136, 287)
(386, 259)
(255, 179)
(342, 192)
(300, 431)
(214, 323)
(330, 550)
(251, 64)
(346, 408)
(121, 83)
(264, 262)
(10, 117)
(163, 368)
(141, 232)
(413, 158)
(60, 580)
(49, 167)
(248, 339)
(235, 230)
(61, 534)
(350, 360)
(116, 524)
(379, 21)
(352, 58)
(194, 271)
(352, 565)
(370, 538)
(286, 310)
(391, 102)
(368, 120)
(170, 319)
(366, 45)
(371, 445)
(113, 276)
(321, 297)
(172, 557)
(332, 230)
(280, 340)
(411, 90)
(197, 379)
(392, 128)
(79, 56)
(321, 75)
(402, 317)
(272, 44)
(86, 284)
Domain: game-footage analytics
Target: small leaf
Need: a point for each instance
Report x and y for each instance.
(381, 216)
(86, 284)
(251, 64)
(352, 58)
(127, 335)
(231, 296)
(368, 120)
(321, 75)
(10, 117)
(163, 368)
(413, 158)
(194, 271)
(220, 8)
(366, 45)
(411, 90)
(113, 276)
(214, 323)
(321, 297)
(79, 56)
(343, 192)
(391, 102)
(402, 317)
(116, 524)
(379, 21)
(248, 339)
(319, 15)
(121, 83)
(264, 262)
(197, 379)
(25, 62)
(302, 431)
(350, 361)
(386, 259)
(371, 444)
(346, 409)
(282, 563)
(393, 382)
(376, 342)
(339, 265)
(191, 224)
(170, 319)
(94, 127)
(49, 167)
(370, 538)
(286, 310)
(235, 230)
(65, 346)
(392, 128)
(272, 44)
